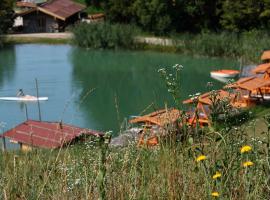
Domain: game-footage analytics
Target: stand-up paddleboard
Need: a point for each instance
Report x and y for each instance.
(24, 98)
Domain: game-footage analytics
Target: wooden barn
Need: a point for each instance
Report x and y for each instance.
(50, 16)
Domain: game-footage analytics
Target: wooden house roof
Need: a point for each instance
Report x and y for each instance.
(262, 68)
(46, 134)
(206, 97)
(265, 55)
(61, 9)
(250, 83)
(161, 117)
(26, 4)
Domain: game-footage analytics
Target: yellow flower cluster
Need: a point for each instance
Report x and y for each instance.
(245, 149)
(200, 158)
(215, 194)
(247, 164)
(217, 175)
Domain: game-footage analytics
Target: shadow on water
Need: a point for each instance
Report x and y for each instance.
(7, 64)
(129, 82)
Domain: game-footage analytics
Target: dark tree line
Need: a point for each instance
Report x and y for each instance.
(6, 15)
(161, 16)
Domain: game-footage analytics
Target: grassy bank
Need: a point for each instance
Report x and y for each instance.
(34, 40)
(174, 170)
(246, 46)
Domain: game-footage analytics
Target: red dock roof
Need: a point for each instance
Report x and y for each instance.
(46, 134)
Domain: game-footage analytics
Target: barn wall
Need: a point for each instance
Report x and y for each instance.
(37, 22)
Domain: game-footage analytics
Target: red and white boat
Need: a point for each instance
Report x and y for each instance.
(224, 73)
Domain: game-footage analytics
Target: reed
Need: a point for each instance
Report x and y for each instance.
(246, 45)
(104, 36)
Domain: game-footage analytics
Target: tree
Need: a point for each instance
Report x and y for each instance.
(265, 14)
(119, 10)
(238, 15)
(152, 15)
(95, 3)
(6, 15)
(196, 15)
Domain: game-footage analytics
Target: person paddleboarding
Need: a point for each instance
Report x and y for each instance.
(20, 93)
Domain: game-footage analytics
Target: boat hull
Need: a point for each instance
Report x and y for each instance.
(224, 73)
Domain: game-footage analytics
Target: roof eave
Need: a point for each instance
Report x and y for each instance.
(50, 13)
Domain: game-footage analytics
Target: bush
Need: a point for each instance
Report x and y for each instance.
(104, 35)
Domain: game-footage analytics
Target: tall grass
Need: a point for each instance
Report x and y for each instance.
(104, 35)
(169, 171)
(246, 45)
(226, 164)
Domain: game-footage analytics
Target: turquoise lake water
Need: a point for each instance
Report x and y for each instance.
(94, 89)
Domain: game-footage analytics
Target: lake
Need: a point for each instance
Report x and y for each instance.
(95, 89)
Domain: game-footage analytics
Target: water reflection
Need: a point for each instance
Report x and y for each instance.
(7, 64)
(128, 82)
(124, 82)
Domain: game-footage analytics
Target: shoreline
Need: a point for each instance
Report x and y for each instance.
(145, 43)
(46, 38)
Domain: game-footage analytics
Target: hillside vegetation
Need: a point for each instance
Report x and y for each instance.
(162, 17)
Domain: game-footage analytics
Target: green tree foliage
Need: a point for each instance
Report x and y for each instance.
(160, 16)
(196, 15)
(95, 3)
(6, 15)
(265, 14)
(152, 15)
(119, 10)
(240, 15)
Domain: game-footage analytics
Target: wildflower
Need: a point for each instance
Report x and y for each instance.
(162, 70)
(245, 148)
(215, 194)
(200, 158)
(177, 67)
(77, 181)
(217, 175)
(248, 163)
(209, 84)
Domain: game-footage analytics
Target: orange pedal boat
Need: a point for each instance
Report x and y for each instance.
(224, 73)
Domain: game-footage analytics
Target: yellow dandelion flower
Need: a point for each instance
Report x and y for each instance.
(245, 148)
(215, 194)
(247, 164)
(217, 175)
(200, 158)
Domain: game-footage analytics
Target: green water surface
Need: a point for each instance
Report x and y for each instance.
(94, 89)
